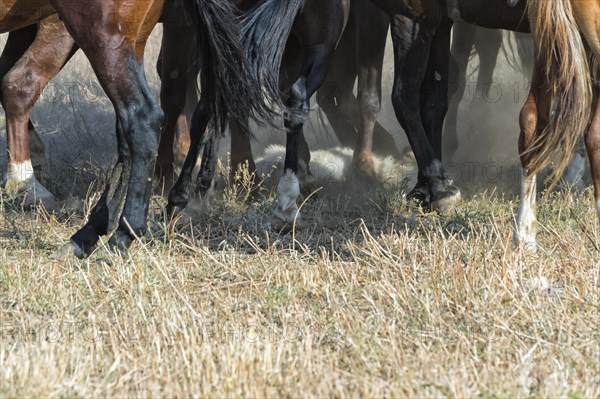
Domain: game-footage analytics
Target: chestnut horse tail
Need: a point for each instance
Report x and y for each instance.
(265, 31)
(227, 85)
(562, 55)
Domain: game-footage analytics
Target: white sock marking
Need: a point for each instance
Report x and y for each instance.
(525, 228)
(288, 191)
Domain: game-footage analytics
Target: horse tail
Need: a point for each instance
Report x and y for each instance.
(226, 81)
(563, 57)
(265, 30)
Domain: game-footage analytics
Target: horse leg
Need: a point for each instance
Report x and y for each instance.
(16, 45)
(206, 174)
(175, 56)
(336, 97)
(200, 137)
(572, 178)
(434, 89)
(463, 36)
(124, 204)
(312, 75)
(412, 42)
(370, 53)
(533, 120)
(21, 87)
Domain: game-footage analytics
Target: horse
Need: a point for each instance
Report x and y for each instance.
(318, 26)
(18, 61)
(421, 36)
(487, 43)
(352, 58)
(562, 106)
(113, 36)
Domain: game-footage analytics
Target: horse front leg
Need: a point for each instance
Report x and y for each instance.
(21, 88)
(412, 43)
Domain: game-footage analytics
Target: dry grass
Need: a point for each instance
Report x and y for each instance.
(372, 298)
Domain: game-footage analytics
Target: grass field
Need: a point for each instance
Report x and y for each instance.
(371, 298)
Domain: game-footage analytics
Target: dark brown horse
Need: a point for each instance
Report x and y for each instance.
(20, 67)
(317, 25)
(113, 36)
(421, 35)
(349, 116)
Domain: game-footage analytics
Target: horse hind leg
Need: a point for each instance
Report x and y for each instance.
(175, 86)
(17, 44)
(572, 178)
(533, 119)
(312, 75)
(200, 136)
(370, 53)
(463, 36)
(411, 52)
(21, 87)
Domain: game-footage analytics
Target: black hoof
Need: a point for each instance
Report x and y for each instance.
(120, 241)
(419, 195)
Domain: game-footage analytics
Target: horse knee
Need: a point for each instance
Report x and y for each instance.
(370, 106)
(19, 91)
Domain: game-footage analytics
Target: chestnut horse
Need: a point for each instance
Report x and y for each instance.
(562, 107)
(113, 36)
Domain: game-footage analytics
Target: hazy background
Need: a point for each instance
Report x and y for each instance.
(76, 121)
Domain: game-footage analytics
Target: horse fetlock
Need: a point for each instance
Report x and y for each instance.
(524, 236)
(364, 166)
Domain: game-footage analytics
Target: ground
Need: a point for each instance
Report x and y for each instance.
(373, 297)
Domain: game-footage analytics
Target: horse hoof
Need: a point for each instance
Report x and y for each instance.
(447, 200)
(173, 211)
(68, 251)
(420, 195)
(33, 194)
(119, 242)
(284, 224)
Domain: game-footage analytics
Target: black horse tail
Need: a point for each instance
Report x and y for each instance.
(226, 80)
(265, 30)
